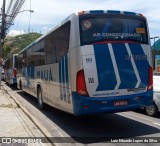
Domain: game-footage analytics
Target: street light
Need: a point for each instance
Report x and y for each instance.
(31, 11)
(3, 26)
(26, 10)
(15, 14)
(154, 49)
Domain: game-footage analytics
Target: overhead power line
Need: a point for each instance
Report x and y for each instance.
(7, 17)
(13, 10)
(9, 7)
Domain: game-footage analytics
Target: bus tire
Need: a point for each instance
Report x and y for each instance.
(40, 98)
(152, 110)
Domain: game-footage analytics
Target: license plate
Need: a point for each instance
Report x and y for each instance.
(120, 103)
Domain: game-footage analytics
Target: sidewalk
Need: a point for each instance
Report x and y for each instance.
(15, 124)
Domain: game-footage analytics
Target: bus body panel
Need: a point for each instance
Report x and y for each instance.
(115, 69)
(53, 81)
(128, 87)
(107, 69)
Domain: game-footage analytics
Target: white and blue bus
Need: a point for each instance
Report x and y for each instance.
(10, 71)
(92, 62)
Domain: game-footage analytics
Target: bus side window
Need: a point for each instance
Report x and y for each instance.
(61, 39)
(50, 49)
(57, 44)
(36, 55)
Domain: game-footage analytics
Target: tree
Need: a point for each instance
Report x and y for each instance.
(13, 45)
(6, 51)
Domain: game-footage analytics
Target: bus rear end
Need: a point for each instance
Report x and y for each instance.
(116, 73)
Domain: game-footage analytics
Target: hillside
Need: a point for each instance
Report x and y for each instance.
(156, 49)
(17, 43)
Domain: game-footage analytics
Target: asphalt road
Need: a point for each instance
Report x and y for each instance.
(101, 128)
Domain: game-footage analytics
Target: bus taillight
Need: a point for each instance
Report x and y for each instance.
(150, 78)
(14, 73)
(81, 84)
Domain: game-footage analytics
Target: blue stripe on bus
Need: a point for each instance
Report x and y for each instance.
(97, 11)
(129, 13)
(32, 72)
(113, 12)
(125, 68)
(60, 81)
(67, 81)
(28, 71)
(142, 65)
(64, 78)
(105, 71)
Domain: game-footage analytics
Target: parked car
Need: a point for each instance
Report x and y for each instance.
(155, 108)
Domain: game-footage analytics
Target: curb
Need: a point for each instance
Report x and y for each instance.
(31, 117)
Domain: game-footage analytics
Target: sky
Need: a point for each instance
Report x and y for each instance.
(48, 13)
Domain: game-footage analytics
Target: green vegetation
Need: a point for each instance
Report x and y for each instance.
(156, 49)
(17, 43)
(157, 45)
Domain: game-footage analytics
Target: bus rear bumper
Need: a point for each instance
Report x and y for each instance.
(88, 105)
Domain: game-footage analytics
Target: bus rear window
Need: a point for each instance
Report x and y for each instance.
(95, 30)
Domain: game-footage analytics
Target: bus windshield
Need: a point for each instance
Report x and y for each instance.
(94, 30)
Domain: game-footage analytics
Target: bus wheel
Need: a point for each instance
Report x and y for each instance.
(151, 110)
(40, 99)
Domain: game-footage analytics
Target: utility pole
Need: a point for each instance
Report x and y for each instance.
(11, 12)
(2, 27)
(2, 35)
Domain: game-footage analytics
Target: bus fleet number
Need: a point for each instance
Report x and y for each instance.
(91, 80)
(88, 60)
